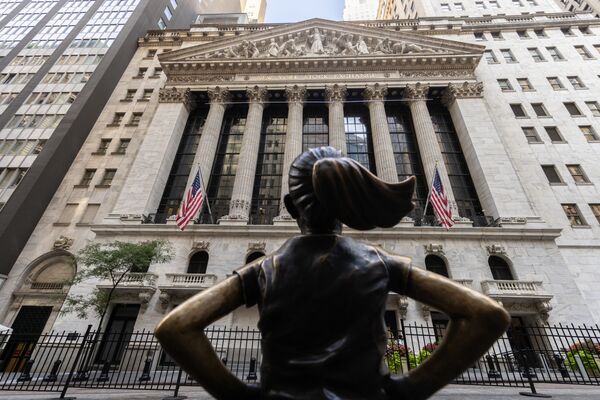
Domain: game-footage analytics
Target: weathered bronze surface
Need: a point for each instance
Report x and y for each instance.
(321, 298)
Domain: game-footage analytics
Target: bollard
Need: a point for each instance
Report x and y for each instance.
(492, 372)
(53, 375)
(26, 374)
(104, 374)
(252, 374)
(146, 373)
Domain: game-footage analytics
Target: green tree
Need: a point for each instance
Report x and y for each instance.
(111, 261)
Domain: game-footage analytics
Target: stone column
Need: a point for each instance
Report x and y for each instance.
(382, 141)
(243, 185)
(293, 140)
(498, 186)
(427, 139)
(335, 95)
(209, 139)
(149, 172)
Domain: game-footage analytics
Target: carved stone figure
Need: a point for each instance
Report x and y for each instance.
(361, 46)
(273, 49)
(383, 46)
(322, 296)
(62, 243)
(316, 42)
(348, 46)
(289, 48)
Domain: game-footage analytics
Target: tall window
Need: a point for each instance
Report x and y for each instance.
(315, 129)
(182, 166)
(406, 153)
(220, 185)
(458, 171)
(359, 145)
(267, 182)
(500, 269)
(436, 265)
(198, 263)
(573, 215)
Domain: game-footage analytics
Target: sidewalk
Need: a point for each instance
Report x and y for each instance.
(453, 392)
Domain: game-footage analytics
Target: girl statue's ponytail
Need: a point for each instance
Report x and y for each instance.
(325, 185)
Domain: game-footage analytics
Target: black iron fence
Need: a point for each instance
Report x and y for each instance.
(55, 361)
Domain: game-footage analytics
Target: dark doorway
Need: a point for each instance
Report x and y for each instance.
(436, 265)
(198, 263)
(391, 323)
(521, 345)
(27, 328)
(500, 269)
(117, 334)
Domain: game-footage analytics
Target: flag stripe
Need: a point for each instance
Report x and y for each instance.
(191, 203)
(439, 202)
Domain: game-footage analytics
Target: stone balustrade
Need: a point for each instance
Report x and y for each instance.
(200, 281)
(514, 289)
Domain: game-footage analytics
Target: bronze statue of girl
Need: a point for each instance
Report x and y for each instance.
(321, 298)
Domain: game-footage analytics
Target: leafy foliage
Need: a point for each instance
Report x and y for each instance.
(585, 351)
(111, 262)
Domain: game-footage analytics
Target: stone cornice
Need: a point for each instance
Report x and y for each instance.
(418, 91)
(466, 90)
(335, 92)
(375, 92)
(295, 94)
(219, 95)
(257, 94)
(175, 95)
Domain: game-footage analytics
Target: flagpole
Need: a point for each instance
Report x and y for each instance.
(212, 221)
(430, 190)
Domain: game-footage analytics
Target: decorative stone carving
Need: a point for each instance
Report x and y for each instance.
(418, 91)
(466, 90)
(239, 210)
(164, 298)
(443, 74)
(335, 93)
(512, 221)
(145, 297)
(257, 246)
(257, 94)
(175, 95)
(434, 248)
(375, 92)
(318, 42)
(131, 218)
(219, 95)
(199, 78)
(295, 94)
(495, 249)
(62, 243)
(201, 245)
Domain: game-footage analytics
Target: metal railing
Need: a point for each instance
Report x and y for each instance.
(56, 361)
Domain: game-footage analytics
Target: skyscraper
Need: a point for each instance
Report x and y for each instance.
(360, 10)
(59, 60)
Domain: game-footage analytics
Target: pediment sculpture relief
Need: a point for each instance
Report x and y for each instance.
(317, 42)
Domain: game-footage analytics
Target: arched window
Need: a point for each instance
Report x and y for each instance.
(198, 263)
(436, 265)
(254, 256)
(500, 269)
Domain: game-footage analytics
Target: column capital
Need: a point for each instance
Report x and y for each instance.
(463, 91)
(257, 94)
(335, 93)
(295, 94)
(219, 95)
(175, 95)
(375, 92)
(418, 91)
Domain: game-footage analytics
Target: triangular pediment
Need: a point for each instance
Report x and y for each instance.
(322, 39)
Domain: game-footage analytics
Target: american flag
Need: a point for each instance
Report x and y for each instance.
(191, 204)
(439, 201)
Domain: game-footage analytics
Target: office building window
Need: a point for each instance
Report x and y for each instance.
(117, 119)
(445, 6)
(123, 144)
(594, 108)
(573, 109)
(87, 177)
(141, 73)
(459, 6)
(525, 84)
(161, 24)
(315, 129)
(536, 54)
(490, 57)
(531, 135)
(541, 33)
(573, 214)
(89, 214)
(551, 174)
(108, 177)
(540, 110)
(596, 211)
(523, 34)
(584, 53)
(157, 72)
(129, 95)
(479, 36)
(135, 119)
(103, 147)
(585, 30)
(505, 85)
(576, 82)
(168, 13)
(497, 35)
(147, 94)
(358, 135)
(555, 83)
(518, 110)
(577, 173)
(555, 54)
(553, 134)
(589, 133)
(567, 31)
(174, 4)
(151, 53)
(508, 56)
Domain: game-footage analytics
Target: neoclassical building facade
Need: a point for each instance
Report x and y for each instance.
(240, 102)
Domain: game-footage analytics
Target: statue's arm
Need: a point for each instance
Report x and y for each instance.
(181, 334)
(476, 321)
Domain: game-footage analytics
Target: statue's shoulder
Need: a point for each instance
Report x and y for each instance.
(391, 258)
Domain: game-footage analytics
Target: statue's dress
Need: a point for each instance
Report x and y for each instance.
(321, 300)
